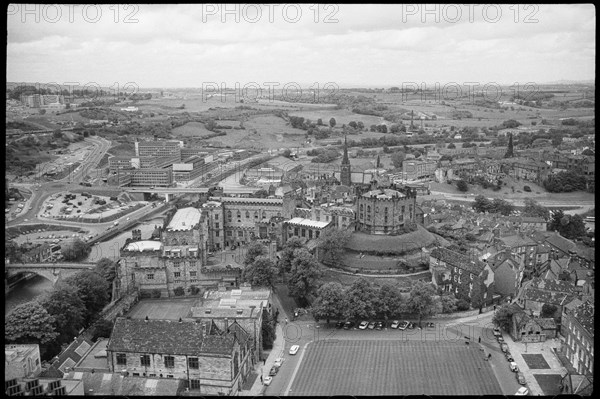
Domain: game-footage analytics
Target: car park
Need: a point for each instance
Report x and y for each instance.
(521, 378)
(513, 367)
(371, 325)
(267, 380)
(363, 325)
(294, 349)
(348, 325)
(395, 324)
(523, 391)
(379, 325)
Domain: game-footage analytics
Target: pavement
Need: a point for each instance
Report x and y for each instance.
(263, 368)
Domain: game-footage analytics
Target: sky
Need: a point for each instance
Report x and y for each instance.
(346, 45)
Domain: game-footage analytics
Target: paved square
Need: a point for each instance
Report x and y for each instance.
(162, 309)
(393, 368)
(549, 383)
(535, 361)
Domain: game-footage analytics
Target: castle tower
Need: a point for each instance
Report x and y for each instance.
(345, 167)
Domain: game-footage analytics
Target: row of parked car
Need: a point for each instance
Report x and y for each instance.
(511, 363)
(380, 325)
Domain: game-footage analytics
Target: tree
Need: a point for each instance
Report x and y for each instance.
(451, 146)
(360, 125)
(534, 209)
(254, 250)
(29, 323)
(287, 253)
(320, 122)
(361, 300)
(57, 134)
(75, 251)
(304, 273)
(63, 303)
(329, 302)
(390, 301)
(378, 162)
(502, 317)
(267, 330)
(107, 268)
(422, 301)
(477, 299)
(509, 152)
(571, 227)
(462, 185)
(93, 291)
(260, 273)
(332, 122)
(449, 303)
(332, 243)
(397, 159)
(510, 124)
(102, 329)
(502, 206)
(548, 310)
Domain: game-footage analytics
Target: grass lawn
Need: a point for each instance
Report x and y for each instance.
(162, 309)
(549, 383)
(401, 243)
(393, 368)
(535, 361)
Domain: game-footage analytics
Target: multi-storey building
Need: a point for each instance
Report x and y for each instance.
(22, 361)
(578, 331)
(215, 224)
(415, 169)
(210, 360)
(385, 211)
(458, 274)
(189, 169)
(158, 148)
(161, 177)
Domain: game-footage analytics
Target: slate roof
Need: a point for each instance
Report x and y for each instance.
(542, 296)
(584, 314)
(561, 243)
(553, 285)
(546, 323)
(69, 357)
(164, 336)
(115, 384)
(514, 241)
(459, 260)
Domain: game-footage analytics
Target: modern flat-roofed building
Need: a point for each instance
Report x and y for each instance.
(158, 148)
(154, 177)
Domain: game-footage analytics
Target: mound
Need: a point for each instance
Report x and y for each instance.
(384, 244)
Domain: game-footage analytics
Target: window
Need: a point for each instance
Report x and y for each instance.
(255, 215)
(303, 232)
(216, 225)
(177, 274)
(170, 376)
(239, 214)
(229, 215)
(217, 217)
(310, 234)
(145, 360)
(317, 234)
(229, 233)
(240, 233)
(403, 207)
(192, 274)
(193, 362)
(264, 215)
(194, 384)
(369, 209)
(169, 361)
(455, 269)
(176, 263)
(216, 233)
(247, 214)
(121, 359)
(150, 276)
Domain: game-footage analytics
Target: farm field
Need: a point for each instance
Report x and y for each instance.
(373, 367)
(162, 309)
(191, 129)
(342, 116)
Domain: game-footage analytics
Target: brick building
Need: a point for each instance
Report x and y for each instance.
(578, 330)
(210, 360)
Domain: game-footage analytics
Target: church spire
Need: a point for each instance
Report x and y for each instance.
(345, 178)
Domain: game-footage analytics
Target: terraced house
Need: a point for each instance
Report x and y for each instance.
(210, 361)
(578, 330)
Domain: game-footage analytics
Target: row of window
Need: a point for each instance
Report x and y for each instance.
(239, 215)
(150, 276)
(169, 361)
(385, 210)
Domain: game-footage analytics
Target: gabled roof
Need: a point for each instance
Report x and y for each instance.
(164, 336)
(561, 243)
(553, 285)
(115, 384)
(546, 323)
(456, 259)
(584, 314)
(69, 357)
(553, 298)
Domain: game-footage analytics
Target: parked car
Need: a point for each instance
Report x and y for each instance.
(504, 348)
(379, 325)
(523, 391)
(267, 380)
(403, 325)
(521, 378)
(411, 325)
(395, 324)
(278, 362)
(509, 357)
(294, 349)
(339, 324)
(371, 325)
(497, 332)
(513, 367)
(273, 370)
(500, 339)
(363, 325)
(348, 325)
(429, 325)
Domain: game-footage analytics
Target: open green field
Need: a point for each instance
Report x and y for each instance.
(342, 116)
(191, 129)
(372, 367)
(162, 309)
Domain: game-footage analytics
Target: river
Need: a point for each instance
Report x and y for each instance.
(27, 290)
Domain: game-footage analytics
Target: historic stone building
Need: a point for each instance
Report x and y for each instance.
(385, 211)
(210, 360)
(345, 169)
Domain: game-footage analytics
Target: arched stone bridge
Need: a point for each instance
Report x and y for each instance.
(50, 271)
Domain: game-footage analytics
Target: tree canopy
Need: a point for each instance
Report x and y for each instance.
(69, 312)
(29, 323)
(93, 291)
(422, 300)
(332, 243)
(261, 272)
(254, 250)
(329, 302)
(305, 272)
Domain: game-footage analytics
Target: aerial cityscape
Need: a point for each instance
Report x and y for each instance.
(299, 199)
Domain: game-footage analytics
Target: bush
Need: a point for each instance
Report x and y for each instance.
(179, 291)
(194, 290)
(145, 294)
(462, 305)
(156, 293)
